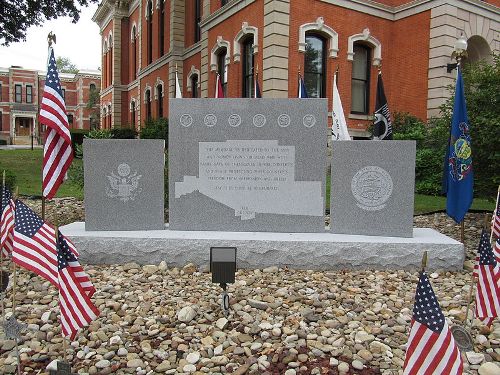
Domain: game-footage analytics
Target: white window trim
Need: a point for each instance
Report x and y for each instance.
(148, 88)
(134, 26)
(322, 29)
(365, 36)
(110, 40)
(159, 82)
(105, 46)
(146, 9)
(242, 34)
(221, 43)
(133, 100)
(191, 73)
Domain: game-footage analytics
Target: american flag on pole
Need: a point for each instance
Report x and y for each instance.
(484, 243)
(57, 152)
(488, 284)
(219, 91)
(431, 346)
(496, 250)
(6, 222)
(77, 310)
(35, 248)
(495, 225)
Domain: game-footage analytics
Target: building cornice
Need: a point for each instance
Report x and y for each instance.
(109, 9)
(224, 13)
(191, 50)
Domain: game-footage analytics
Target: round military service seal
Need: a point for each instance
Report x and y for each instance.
(123, 169)
(309, 121)
(210, 120)
(186, 120)
(259, 120)
(234, 120)
(283, 120)
(371, 186)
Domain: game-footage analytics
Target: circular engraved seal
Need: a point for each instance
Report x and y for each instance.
(186, 120)
(371, 186)
(309, 121)
(283, 120)
(123, 169)
(210, 120)
(463, 338)
(259, 120)
(234, 120)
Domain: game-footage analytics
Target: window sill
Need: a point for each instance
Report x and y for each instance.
(360, 117)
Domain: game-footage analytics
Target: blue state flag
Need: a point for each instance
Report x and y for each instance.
(302, 89)
(458, 179)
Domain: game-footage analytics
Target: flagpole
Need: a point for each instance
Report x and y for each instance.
(14, 284)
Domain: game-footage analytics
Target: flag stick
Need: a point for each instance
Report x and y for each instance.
(424, 260)
(462, 231)
(494, 213)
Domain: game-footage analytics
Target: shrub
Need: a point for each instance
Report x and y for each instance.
(123, 133)
(156, 129)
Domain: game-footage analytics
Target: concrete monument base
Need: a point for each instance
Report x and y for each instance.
(259, 250)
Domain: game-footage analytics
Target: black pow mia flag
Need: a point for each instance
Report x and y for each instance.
(382, 128)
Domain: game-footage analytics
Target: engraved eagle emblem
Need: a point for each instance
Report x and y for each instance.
(123, 185)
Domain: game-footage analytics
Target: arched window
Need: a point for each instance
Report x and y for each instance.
(161, 25)
(149, 17)
(92, 87)
(194, 85)
(222, 70)
(148, 104)
(248, 68)
(360, 81)
(104, 78)
(109, 116)
(132, 114)
(159, 96)
(197, 20)
(315, 66)
(134, 52)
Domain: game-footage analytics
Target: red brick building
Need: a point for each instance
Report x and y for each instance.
(145, 41)
(21, 93)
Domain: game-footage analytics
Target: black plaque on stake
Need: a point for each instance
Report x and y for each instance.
(63, 368)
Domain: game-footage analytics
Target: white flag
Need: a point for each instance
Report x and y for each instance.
(339, 125)
(178, 92)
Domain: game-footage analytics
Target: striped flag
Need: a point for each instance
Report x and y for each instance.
(496, 250)
(77, 310)
(488, 284)
(35, 248)
(57, 152)
(6, 222)
(484, 243)
(495, 225)
(431, 346)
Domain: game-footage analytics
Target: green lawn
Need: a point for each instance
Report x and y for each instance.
(27, 165)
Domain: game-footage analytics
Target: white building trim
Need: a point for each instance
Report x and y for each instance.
(322, 29)
(366, 37)
(219, 45)
(242, 34)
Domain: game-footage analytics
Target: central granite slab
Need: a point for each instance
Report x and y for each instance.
(247, 165)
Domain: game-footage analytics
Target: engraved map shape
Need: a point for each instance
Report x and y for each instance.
(253, 176)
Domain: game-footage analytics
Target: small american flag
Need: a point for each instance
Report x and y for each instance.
(431, 346)
(488, 284)
(6, 222)
(495, 226)
(77, 310)
(57, 152)
(484, 243)
(35, 248)
(496, 250)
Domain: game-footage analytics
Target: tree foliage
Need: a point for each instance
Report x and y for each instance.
(481, 82)
(17, 15)
(64, 65)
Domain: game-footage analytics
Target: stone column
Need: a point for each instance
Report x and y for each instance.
(275, 48)
(204, 53)
(177, 37)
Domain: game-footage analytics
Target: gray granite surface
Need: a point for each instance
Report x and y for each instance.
(259, 250)
(247, 164)
(372, 188)
(124, 187)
